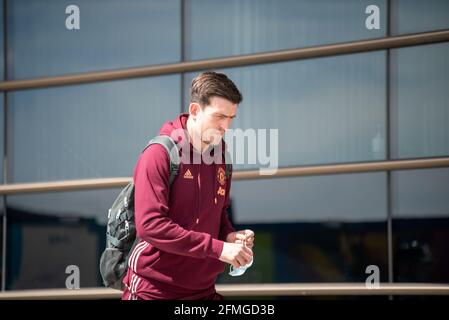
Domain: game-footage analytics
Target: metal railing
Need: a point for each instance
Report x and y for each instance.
(235, 61)
(252, 290)
(86, 184)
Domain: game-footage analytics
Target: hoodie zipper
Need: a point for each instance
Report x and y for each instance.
(199, 196)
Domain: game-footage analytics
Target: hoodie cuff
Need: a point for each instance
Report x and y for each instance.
(217, 248)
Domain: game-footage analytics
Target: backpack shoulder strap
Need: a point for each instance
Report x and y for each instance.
(173, 152)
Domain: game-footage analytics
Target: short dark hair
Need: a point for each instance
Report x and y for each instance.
(209, 84)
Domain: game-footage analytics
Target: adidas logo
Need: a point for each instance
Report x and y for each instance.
(188, 175)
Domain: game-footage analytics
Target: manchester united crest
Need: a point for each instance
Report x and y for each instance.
(221, 176)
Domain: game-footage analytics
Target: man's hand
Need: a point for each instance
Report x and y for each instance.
(236, 254)
(241, 236)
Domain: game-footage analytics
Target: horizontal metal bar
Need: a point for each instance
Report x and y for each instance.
(234, 61)
(251, 290)
(104, 183)
(61, 294)
(347, 168)
(67, 185)
(330, 289)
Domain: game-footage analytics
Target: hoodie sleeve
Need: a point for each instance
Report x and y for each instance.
(226, 225)
(151, 182)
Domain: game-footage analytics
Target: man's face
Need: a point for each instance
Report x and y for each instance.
(213, 120)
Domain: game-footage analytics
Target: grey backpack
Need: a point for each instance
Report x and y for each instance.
(121, 229)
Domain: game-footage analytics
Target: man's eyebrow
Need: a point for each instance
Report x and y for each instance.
(222, 114)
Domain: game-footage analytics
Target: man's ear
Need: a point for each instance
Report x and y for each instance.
(194, 109)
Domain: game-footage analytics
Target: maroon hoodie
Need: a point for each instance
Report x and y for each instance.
(182, 227)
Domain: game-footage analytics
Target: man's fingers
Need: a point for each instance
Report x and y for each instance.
(249, 236)
(241, 261)
(249, 243)
(235, 263)
(244, 259)
(248, 251)
(249, 233)
(240, 236)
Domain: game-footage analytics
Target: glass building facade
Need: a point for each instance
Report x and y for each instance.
(379, 105)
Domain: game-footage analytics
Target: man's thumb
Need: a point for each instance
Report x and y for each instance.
(240, 236)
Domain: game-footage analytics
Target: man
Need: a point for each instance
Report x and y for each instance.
(184, 230)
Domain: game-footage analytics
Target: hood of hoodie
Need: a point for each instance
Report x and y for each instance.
(180, 122)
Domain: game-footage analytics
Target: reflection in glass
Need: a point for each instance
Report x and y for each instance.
(111, 36)
(413, 16)
(217, 28)
(86, 131)
(420, 101)
(327, 110)
(421, 225)
(315, 252)
(331, 198)
(48, 232)
(313, 229)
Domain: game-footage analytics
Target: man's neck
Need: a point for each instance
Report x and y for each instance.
(197, 144)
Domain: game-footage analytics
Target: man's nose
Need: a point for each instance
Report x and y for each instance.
(226, 124)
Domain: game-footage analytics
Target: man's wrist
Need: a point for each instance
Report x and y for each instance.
(217, 248)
